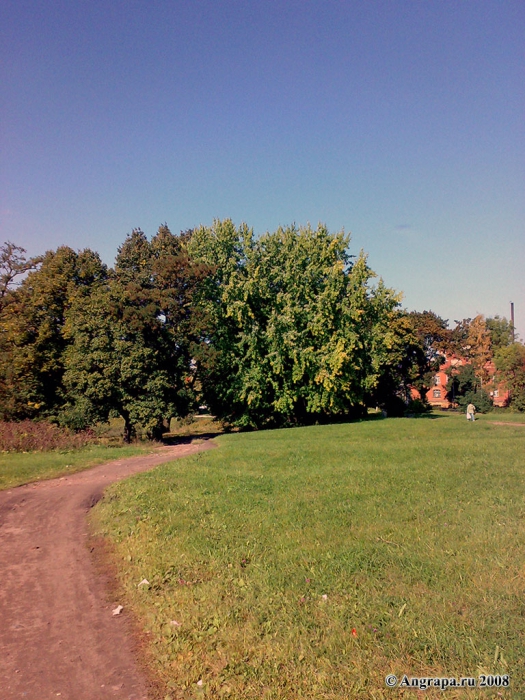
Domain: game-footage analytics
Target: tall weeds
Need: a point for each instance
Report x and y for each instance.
(41, 436)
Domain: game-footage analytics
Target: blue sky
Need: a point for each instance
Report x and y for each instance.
(400, 121)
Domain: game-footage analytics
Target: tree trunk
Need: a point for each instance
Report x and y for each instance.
(423, 390)
(158, 431)
(128, 429)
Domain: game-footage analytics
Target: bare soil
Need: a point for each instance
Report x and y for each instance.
(58, 634)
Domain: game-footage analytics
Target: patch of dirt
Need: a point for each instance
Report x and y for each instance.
(58, 635)
(502, 422)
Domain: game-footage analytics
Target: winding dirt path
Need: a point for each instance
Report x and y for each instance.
(58, 636)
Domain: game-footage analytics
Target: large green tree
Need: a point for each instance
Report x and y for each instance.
(298, 333)
(404, 366)
(13, 265)
(32, 326)
(501, 332)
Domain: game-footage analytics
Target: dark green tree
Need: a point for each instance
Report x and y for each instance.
(433, 336)
(132, 337)
(464, 386)
(402, 367)
(13, 265)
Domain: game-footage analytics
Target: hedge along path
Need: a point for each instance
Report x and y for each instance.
(58, 636)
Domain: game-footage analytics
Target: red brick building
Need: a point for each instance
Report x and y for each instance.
(437, 395)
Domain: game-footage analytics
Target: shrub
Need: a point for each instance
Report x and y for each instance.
(417, 407)
(41, 436)
(517, 401)
(480, 399)
(393, 406)
(77, 417)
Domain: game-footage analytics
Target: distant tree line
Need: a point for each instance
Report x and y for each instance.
(283, 329)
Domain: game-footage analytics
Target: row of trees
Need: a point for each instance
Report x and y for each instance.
(81, 342)
(283, 329)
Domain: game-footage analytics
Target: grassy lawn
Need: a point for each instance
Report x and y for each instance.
(311, 563)
(21, 468)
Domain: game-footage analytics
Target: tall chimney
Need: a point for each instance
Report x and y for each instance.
(512, 321)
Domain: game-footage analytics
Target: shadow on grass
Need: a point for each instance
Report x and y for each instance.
(428, 416)
(169, 439)
(343, 420)
(190, 436)
(379, 417)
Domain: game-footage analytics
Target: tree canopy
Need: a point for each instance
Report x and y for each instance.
(13, 264)
(298, 333)
(131, 337)
(32, 331)
(501, 332)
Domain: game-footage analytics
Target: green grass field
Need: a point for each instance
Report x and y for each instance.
(23, 467)
(312, 562)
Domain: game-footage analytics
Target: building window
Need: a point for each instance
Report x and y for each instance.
(437, 380)
(437, 393)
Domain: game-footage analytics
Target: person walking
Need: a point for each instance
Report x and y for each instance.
(471, 410)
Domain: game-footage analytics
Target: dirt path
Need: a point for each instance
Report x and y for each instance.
(58, 636)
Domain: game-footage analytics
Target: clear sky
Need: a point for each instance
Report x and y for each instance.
(400, 121)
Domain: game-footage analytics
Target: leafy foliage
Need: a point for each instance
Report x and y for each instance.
(432, 340)
(402, 367)
(432, 332)
(478, 347)
(131, 338)
(501, 332)
(298, 333)
(416, 407)
(13, 263)
(464, 387)
(479, 339)
(510, 362)
(284, 329)
(461, 380)
(481, 400)
(32, 332)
